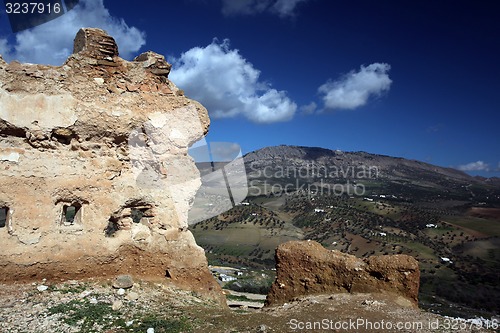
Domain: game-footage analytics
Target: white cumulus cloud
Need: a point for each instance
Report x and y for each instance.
(354, 89)
(474, 166)
(228, 85)
(283, 8)
(52, 42)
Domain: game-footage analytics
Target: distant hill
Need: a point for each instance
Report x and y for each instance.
(283, 163)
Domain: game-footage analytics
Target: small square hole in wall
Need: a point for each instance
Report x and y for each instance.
(72, 214)
(4, 214)
(136, 215)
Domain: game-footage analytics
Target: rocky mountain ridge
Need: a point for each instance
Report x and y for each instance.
(388, 165)
(393, 174)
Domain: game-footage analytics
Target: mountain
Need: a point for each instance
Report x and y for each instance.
(373, 172)
(389, 167)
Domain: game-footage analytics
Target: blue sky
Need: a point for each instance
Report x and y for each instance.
(413, 79)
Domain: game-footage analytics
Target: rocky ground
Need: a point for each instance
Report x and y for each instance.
(96, 306)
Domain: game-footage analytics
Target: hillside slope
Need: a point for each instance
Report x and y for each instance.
(449, 221)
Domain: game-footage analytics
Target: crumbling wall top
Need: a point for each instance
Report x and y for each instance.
(95, 43)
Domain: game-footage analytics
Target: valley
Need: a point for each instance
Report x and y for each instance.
(446, 219)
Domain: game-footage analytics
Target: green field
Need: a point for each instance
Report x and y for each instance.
(487, 227)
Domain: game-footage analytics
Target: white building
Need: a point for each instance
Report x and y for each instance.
(226, 278)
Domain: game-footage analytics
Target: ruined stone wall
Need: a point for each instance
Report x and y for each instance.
(307, 268)
(95, 177)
